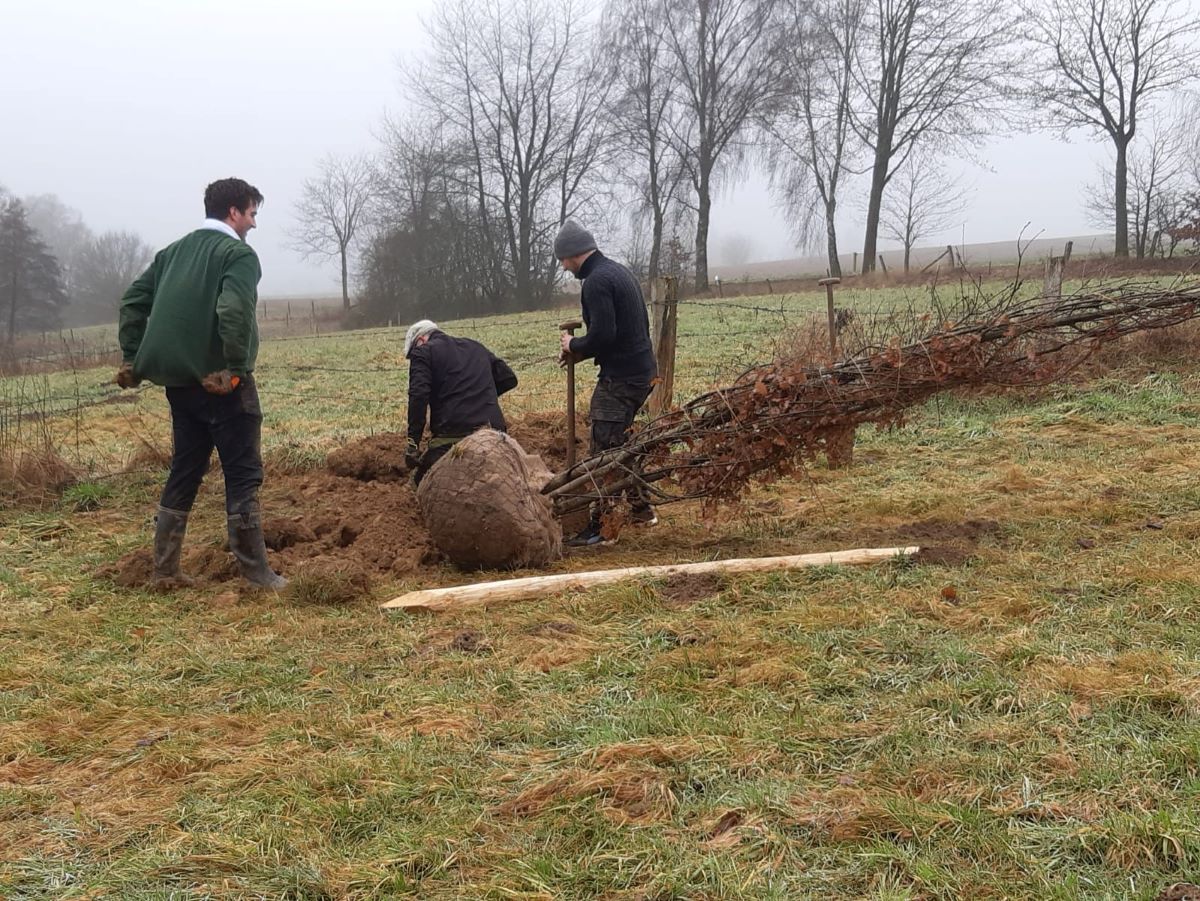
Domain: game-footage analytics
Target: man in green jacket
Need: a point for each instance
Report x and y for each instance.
(188, 323)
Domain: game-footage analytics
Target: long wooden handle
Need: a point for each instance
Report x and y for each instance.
(459, 596)
(570, 413)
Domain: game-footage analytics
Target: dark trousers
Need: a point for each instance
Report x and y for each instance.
(427, 460)
(231, 423)
(615, 403)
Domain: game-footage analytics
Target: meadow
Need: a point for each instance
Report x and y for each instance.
(1014, 716)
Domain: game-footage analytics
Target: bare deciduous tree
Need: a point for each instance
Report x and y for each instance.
(927, 70)
(810, 148)
(644, 110)
(510, 87)
(1101, 63)
(723, 56)
(108, 263)
(1156, 184)
(333, 210)
(920, 201)
(427, 257)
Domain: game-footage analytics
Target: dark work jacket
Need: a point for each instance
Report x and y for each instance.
(458, 382)
(618, 327)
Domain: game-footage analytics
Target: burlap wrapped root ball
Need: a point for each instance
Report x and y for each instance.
(483, 505)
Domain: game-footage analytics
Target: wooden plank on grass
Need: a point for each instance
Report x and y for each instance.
(459, 596)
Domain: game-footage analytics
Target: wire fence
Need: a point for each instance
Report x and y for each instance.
(61, 389)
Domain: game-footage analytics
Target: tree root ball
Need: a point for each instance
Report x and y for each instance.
(483, 506)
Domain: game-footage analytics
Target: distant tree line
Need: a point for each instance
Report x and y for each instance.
(524, 113)
(55, 272)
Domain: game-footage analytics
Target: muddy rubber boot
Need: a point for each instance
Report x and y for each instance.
(250, 550)
(169, 529)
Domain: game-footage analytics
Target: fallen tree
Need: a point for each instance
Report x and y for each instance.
(777, 415)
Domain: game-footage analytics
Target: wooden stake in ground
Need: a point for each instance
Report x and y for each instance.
(569, 327)
(460, 596)
(828, 284)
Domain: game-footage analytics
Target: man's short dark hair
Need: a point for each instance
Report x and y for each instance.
(228, 192)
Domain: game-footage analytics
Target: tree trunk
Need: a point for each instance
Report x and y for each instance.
(704, 208)
(835, 267)
(345, 284)
(875, 204)
(907, 256)
(1122, 200)
(656, 244)
(12, 307)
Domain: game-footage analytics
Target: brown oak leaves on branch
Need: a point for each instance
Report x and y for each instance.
(776, 416)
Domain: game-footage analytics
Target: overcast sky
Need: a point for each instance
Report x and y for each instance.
(126, 109)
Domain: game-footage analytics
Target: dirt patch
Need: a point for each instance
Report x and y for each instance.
(374, 458)
(545, 434)
(320, 522)
(470, 641)
(943, 542)
(685, 589)
(282, 533)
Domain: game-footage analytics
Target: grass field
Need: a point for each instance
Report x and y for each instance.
(1018, 720)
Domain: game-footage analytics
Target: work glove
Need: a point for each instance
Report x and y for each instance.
(126, 378)
(220, 382)
(412, 456)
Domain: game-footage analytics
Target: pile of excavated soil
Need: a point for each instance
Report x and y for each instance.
(316, 522)
(357, 516)
(545, 434)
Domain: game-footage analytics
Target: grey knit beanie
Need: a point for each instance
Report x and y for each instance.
(572, 240)
(415, 331)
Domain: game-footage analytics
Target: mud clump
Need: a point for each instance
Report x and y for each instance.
(483, 505)
(282, 533)
(470, 641)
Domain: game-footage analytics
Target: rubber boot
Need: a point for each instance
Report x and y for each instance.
(169, 529)
(250, 550)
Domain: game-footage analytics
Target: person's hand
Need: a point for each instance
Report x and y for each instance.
(220, 382)
(565, 341)
(126, 378)
(567, 356)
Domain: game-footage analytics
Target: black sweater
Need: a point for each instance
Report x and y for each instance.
(458, 381)
(618, 327)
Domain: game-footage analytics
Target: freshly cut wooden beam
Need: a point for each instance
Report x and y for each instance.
(459, 596)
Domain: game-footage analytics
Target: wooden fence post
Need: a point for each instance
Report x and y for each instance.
(1052, 282)
(664, 308)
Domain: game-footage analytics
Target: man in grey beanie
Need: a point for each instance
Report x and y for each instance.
(618, 339)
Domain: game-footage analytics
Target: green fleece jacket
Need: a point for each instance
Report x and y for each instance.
(192, 311)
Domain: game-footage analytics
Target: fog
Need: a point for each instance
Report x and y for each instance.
(126, 109)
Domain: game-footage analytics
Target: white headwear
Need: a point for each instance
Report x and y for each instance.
(415, 331)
